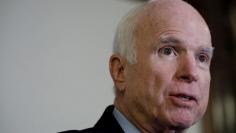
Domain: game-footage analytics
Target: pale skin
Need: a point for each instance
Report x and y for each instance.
(167, 89)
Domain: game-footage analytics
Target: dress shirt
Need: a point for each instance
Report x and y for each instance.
(125, 124)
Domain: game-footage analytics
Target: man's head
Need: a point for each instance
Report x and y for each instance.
(161, 71)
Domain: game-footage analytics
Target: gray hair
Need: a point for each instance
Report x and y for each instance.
(124, 38)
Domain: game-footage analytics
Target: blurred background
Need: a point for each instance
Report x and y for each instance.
(221, 18)
(54, 63)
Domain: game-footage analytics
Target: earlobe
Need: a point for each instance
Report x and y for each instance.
(117, 71)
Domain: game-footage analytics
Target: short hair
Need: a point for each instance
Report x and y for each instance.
(124, 37)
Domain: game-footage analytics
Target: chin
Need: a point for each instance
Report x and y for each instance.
(184, 118)
(180, 126)
(182, 123)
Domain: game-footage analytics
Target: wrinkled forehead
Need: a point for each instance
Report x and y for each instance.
(174, 14)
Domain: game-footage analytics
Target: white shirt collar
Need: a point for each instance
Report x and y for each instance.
(125, 124)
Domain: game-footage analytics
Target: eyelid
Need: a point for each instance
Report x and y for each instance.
(208, 54)
(167, 46)
(204, 64)
(173, 42)
(209, 51)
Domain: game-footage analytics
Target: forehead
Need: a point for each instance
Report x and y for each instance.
(181, 21)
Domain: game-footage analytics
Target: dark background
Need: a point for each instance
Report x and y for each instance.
(221, 18)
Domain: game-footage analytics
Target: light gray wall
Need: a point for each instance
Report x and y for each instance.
(54, 63)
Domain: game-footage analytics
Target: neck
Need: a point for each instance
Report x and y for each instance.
(144, 125)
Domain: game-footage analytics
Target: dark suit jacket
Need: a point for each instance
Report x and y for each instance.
(106, 124)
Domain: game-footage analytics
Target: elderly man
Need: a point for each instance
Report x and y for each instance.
(161, 70)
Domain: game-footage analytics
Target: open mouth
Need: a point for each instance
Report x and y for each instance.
(183, 100)
(185, 97)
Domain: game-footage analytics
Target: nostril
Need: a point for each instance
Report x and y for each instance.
(187, 78)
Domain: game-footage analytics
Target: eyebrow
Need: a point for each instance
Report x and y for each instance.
(173, 40)
(169, 40)
(208, 50)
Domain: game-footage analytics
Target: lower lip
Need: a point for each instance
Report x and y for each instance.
(181, 102)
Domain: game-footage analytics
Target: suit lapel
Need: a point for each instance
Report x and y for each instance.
(107, 123)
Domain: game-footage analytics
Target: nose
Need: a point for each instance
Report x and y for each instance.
(187, 70)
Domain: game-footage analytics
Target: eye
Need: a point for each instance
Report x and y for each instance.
(203, 58)
(167, 51)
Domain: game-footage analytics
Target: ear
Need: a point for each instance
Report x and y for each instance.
(117, 71)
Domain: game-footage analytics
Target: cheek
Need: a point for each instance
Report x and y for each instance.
(205, 90)
(162, 80)
(158, 91)
(206, 86)
(147, 90)
(161, 75)
(138, 86)
(205, 93)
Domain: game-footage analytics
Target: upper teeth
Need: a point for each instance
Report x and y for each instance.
(185, 97)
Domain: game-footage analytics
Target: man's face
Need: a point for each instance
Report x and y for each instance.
(169, 84)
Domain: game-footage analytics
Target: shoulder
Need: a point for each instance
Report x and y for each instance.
(88, 130)
(106, 124)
